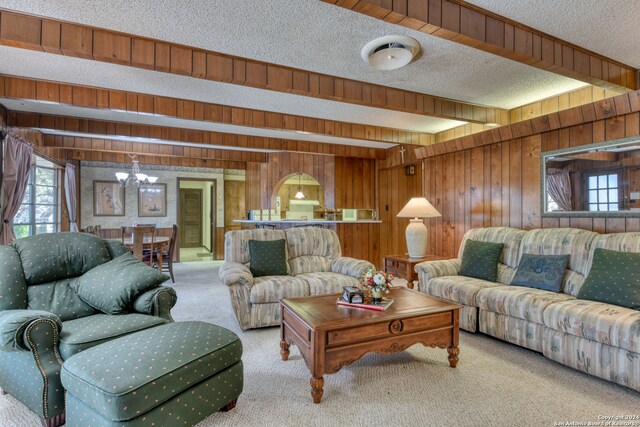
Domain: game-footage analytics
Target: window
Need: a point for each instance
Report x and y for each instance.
(602, 188)
(552, 206)
(38, 212)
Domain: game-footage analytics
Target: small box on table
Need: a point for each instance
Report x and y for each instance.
(352, 295)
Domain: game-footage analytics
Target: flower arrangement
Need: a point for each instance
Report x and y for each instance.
(376, 281)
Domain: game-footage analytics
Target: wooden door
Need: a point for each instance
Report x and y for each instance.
(190, 218)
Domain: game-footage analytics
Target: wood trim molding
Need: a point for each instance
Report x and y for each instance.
(599, 110)
(99, 127)
(467, 24)
(106, 99)
(48, 35)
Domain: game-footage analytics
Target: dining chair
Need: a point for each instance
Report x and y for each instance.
(167, 256)
(267, 226)
(89, 229)
(134, 238)
(97, 230)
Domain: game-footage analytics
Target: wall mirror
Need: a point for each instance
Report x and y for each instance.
(601, 180)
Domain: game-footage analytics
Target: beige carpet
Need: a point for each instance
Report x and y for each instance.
(495, 384)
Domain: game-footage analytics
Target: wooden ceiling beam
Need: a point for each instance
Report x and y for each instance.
(101, 156)
(102, 128)
(58, 37)
(105, 99)
(467, 24)
(162, 150)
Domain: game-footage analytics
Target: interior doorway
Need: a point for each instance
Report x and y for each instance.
(196, 217)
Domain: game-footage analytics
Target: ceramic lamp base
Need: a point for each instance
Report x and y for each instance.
(416, 235)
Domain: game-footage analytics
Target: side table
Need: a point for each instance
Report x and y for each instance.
(403, 266)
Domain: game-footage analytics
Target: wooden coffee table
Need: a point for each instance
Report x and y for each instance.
(330, 336)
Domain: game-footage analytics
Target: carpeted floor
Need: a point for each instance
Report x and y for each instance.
(495, 384)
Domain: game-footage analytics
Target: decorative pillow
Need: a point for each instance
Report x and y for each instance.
(480, 260)
(614, 278)
(112, 286)
(541, 271)
(267, 258)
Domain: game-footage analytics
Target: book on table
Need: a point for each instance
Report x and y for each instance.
(381, 306)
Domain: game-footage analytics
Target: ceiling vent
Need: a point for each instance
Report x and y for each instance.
(390, 52)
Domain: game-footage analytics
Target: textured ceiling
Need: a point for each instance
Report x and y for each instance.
(316, 36)
(608, 27)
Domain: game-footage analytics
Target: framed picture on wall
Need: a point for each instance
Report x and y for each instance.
(152, 200)
(108, 198)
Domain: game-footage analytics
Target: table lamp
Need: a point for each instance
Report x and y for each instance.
(416, 234)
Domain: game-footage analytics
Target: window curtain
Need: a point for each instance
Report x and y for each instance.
(559, 188)
(70, 194)
(17, 165)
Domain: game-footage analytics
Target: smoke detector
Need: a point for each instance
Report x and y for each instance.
(390, 52)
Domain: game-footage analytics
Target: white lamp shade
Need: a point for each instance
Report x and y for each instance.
(141, 176)
(152, 179)
(122, 176)
(299, 195)
(418, 207)
(416, 233)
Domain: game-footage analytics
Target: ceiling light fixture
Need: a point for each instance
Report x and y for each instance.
(135, 177)
(390, 52)
(299, 195)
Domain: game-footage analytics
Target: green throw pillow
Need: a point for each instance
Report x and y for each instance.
(268, 257)
(112, 286)
(541, 271)
(614, 278)
(480, 260)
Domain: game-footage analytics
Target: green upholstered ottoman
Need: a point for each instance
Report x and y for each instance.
(173, 374)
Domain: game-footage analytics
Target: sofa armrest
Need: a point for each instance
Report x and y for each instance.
(15, 323)
(429, 269)
(234, 272)
(157, 302)
(350, 266)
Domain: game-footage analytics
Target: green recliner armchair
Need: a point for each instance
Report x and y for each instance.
(43, 321)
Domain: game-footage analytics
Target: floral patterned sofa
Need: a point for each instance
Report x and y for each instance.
(594, 337)
(315, 267)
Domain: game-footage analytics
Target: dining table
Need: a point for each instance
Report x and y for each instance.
(156, 245)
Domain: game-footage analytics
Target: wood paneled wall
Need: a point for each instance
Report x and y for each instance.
(347, 182)
(499, 184)
(234, 203)
(396, 188)
(355, 184)
(282, 165)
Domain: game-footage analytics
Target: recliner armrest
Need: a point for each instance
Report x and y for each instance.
(431, 269)
(14, 323)
(156, 302)
(350, 266)
(235, 272)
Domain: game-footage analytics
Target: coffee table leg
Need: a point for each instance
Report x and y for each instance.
(316, 389)
(453, 351)
(284, 350)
